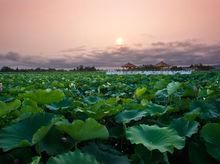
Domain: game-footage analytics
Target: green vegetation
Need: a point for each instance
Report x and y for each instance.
(90, 117)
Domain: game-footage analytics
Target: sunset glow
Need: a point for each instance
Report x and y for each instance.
(120, 41)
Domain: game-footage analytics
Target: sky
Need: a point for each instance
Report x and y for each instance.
(67, 33)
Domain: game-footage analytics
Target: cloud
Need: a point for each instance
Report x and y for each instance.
(10, 56)
(75, 49)
(175, 53)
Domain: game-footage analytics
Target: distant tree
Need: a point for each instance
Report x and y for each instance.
(175, 68)
(51, 69)
(6, 69)
(82, 68)
(146, 68)
(201, 67)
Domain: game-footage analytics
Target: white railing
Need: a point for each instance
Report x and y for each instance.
(114, 72)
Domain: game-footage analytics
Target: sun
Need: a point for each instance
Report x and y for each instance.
(120, 41)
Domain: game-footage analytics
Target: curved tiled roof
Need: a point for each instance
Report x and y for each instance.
(129, 65)
(162, 64)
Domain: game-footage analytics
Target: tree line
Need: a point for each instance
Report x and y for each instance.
(79, 68)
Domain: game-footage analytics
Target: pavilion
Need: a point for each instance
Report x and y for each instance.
(128, 66)
(162, 65)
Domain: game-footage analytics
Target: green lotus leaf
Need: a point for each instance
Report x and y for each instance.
(155, 109)
(185, 127)
(6, 108)
(160, 84)
(128, 115)
(57, 84)
(161, 95)
(55, 142)
(45, 96)
(139, 92)
(173, 87)
(91, 99)
(193, 114)
(212, 112)
(73, 157)
(104, 108)
(199, 155)
(30, 106)
(81, 131)
(64, 104)
(144, 93)
(190, 91)
(35, 160)
(144, 156)
(153, 137)
(144, 102)
(211, 134)
(106, 154)
(40, 133)
(21, 133)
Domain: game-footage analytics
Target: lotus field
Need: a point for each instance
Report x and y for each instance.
(91, 118)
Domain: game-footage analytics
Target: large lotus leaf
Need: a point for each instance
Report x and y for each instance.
(57, 84)
(153, 137)
(208, 110)
(128, 115)
(173, 87)
(40, 133)
(64, 104)
(139, 92)
(144, 156)
(161, 95)
(135, 105)
(30, 106)
(80, 130)
(193, 114)
(6, 108)
(73, 157)
(43, 130)
(106, 154)
(91, 99)
(144, 92)
(185, 127)
(54, 142)
(155, 109)
(45, 96)
(199, 155)
(211, 134)
(160, 84)
(181, 104)
(190, 91)
(104, 108)
(144, 102)
(21, 133)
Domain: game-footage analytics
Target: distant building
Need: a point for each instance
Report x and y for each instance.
(129, 66)
(162, 65)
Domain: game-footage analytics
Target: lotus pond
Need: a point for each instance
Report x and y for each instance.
(86, 118)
